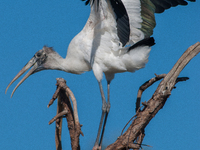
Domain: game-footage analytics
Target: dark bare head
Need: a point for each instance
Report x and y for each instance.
(42, 60)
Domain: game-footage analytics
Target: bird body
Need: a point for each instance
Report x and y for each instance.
(99, 48)
(115, 39)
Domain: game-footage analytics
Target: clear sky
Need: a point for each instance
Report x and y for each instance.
(26, 26)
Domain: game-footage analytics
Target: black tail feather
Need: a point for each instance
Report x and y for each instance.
(145, 42)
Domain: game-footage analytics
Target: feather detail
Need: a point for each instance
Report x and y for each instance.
(161, 5)
(122, 20)
(145, 42)
(147, 13)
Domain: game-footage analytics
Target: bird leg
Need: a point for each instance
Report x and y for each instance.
(104, 115)
(108, 96)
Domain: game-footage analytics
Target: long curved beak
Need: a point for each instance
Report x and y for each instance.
(32, 62)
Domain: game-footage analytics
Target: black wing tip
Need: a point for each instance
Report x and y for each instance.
(90, 1)
(162, 5)
(145, 42)
(87, 2)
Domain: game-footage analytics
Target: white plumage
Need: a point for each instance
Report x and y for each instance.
(99, 47)
(116, 38)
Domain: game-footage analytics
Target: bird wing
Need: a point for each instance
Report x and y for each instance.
(135, 19)
(161, 5)
(103, 11)
(148, 8)
(120, 18)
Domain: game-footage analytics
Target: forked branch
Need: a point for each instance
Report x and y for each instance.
(134, 135)
(64, 109)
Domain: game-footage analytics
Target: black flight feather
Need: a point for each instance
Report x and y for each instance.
(145, 42)
(87, 1)
(90, 1)
(162, 5)
(122, 19)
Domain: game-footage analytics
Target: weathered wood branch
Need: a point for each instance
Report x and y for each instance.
(64, 109)
(145, 86)
(136, 130)
(133, 137)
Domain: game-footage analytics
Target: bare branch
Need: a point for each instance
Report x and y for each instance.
(71, 95)
(58, 121)
(54, 97)
(61, 114)
(136, 130)
(145, 86)
(64, 109)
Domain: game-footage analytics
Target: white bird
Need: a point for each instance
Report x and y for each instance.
(115, 39)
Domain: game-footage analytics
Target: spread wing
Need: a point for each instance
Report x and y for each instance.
(135, 16)
(161, 5)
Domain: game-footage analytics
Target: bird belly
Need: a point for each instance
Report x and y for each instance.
(129, 61)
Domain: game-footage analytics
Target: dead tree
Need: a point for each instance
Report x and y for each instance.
(64, 109)
(133, 137)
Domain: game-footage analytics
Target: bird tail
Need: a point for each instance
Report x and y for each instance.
(145, 42)
(137, 55)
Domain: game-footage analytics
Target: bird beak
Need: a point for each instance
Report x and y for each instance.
(32, 62)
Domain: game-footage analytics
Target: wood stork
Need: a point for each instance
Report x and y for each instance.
(115, 39)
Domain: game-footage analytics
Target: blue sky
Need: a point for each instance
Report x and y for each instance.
(27, 26)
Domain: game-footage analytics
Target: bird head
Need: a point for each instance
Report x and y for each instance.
(40, 61)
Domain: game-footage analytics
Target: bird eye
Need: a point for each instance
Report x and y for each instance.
(38, 54)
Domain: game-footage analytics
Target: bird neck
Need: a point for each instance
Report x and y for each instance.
(75, 61)
(73, 65)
